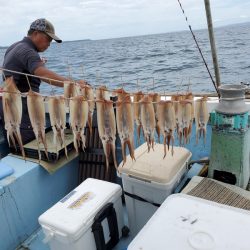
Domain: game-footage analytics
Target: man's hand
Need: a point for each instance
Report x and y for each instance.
(44, 60)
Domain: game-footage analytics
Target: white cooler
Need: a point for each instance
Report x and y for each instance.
(91, 213)
(149, 180)
(187, 222)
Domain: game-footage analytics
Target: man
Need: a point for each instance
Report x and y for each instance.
(23, 57)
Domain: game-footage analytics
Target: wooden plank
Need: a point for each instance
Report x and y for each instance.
(99, 157)
(88, 144)
(92, 156)
(95, 138)
(94, 164)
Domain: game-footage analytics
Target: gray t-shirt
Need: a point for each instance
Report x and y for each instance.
(23, 57)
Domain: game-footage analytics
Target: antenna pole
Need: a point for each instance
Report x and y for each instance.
(212, 42)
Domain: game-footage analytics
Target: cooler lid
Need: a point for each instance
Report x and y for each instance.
(74, 214)
(194, 223)
(152, 167)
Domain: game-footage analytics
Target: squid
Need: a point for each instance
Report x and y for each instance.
(189, 96)
(137, 113)
(201, 118)
(57, 114)
(179, 122)
(167, 123)
(12, 108)
(107, 128)
(36, 110)
(70, 90)
(148, 120)
(156, 99)
(102, 93)
(178, 113)
(183, 114)
(78, 110)
(125, 125)
(185, 126)
(88, 93)
(121, 94)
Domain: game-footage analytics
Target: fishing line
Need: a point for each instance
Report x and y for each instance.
(190, 28)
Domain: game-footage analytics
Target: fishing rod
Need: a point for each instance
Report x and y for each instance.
(202, 56)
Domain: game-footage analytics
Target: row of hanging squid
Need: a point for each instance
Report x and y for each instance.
(147, 111)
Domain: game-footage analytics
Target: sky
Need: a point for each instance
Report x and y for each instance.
(101, 19)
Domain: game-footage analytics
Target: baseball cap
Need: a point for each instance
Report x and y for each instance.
(45, 26)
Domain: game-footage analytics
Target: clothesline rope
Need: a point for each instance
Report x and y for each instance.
(94, 88)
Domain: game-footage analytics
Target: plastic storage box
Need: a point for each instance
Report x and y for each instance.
(187, 222)
(88, 218)
(149, 180)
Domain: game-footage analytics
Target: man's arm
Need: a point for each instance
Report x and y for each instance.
(57, 79)
(44, 72)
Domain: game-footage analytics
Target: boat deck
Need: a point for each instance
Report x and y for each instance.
(31, 190)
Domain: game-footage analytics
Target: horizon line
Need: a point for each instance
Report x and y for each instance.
(129, 36)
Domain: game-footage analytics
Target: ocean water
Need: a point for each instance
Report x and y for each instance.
(167, 62)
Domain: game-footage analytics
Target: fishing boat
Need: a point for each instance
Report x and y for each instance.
(29, 188)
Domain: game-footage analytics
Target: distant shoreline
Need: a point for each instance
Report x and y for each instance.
(176, 31)
(79, 40)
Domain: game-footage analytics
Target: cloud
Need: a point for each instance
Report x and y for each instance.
(97, 19)
(244, 16)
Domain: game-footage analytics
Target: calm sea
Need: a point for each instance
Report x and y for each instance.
(163, 62)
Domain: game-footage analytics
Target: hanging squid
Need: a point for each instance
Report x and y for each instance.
(125, 125)
(167, 123)
(107, 128)
(57, 114)
(156, 99)
(137, 113)
(201, 118)
(78, 108)
(88, 93)
(36, 110)
(148, 120)
(12, 108)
